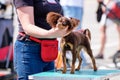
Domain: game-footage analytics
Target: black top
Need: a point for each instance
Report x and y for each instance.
(41, 9)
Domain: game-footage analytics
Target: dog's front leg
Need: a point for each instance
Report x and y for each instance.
(73, 61)
(64, 61)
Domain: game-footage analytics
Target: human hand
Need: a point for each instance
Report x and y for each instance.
(57, 32)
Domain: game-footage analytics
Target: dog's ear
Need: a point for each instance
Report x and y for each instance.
(74, 22)
(52, 18)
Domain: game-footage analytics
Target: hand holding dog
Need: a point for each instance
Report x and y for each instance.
(57, 32)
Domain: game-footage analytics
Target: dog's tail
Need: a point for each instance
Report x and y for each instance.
(87, 33)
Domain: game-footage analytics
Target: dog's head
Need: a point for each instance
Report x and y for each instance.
(57, 20)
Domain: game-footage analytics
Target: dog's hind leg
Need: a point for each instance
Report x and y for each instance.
(89, 51)
(79, 59)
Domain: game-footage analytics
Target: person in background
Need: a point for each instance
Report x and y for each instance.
(32, 22)
(103, 28)
(74, 8)
(6, 22)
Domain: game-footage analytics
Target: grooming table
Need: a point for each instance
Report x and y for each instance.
(79, 75)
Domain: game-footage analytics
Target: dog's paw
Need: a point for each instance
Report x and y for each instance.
(95, 69)
(71, 72)
(63, 72)
(77, 69)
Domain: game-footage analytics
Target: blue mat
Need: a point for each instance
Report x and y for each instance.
(79, 75)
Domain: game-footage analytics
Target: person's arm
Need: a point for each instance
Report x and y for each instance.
(26, 17)
(100, 0)
(103, 3)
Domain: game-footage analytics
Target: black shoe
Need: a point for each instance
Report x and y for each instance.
(99, 56)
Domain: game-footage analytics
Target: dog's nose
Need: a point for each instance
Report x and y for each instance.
(64, 24)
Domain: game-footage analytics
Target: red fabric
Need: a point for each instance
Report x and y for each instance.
(49, 50)
(35, 39)
(4, 53)
(1, 74)
(114, 11)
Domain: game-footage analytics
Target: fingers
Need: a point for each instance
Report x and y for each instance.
(60, 32)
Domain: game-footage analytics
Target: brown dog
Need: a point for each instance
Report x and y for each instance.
(74, 41)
